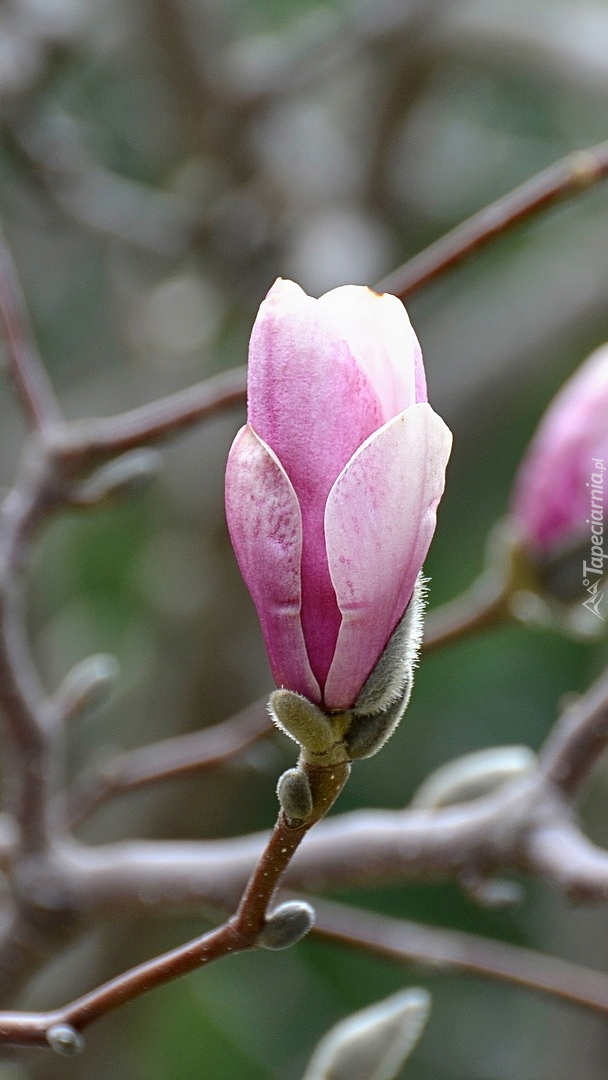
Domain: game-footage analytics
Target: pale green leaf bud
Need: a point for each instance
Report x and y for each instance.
(374, 1043)
(302, 721)
(473, 775)
(286, 925)
(294, 795)
(86, 686)
(64, 1039)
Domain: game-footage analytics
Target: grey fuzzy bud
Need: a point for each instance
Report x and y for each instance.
(122, 478)
(287, 925)
(86, 686)
(368, 734)
(392, 677)
(64, 1039)
(374, 1043)
(294, 795)
(385, 695)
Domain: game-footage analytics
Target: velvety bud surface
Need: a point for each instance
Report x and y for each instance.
(551, 502)
(333, 484)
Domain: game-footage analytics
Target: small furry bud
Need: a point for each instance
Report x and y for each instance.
(121, 478)
(87, 685)
(286, 925)
(294, 795)
(392, 677)
(64, 1039)
(473, 775)
(374, 1043)
(297, 717)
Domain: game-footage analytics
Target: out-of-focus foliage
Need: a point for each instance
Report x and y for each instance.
(160, 163)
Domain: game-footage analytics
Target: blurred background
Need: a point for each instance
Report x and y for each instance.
(161, 162)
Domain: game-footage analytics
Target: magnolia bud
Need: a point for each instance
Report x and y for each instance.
(333, 484)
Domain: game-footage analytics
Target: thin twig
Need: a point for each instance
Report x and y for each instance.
(401, 940)
(24, 361)
(82, 443)
(563, 179)
(241, 932)
(168, 759)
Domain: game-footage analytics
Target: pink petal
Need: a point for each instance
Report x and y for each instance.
(266, 531)
(380, 336)
(379, 522)
(314, 405)
(551, 501)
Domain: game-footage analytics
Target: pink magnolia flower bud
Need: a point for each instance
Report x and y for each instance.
(552, 502)
(333, 484)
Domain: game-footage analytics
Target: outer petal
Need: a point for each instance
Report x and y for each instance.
(314, 405)
(266, 531)
(379, 522)
(380, 337)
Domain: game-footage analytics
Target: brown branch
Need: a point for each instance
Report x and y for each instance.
(241, 932)
(409, 942)
(24, 362)
(563, 179)
(169, 759)
(83, 443)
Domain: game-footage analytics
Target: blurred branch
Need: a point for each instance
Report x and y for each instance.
(453, 950)
(28, 715)
(169, 759)
(24, 361)
(577, 740)
(83, 443)
(483, 606)
(53, 145)
(566, 178)
(522, 825)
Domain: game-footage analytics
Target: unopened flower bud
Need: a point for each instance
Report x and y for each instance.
(332, 486)
(558, 511)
